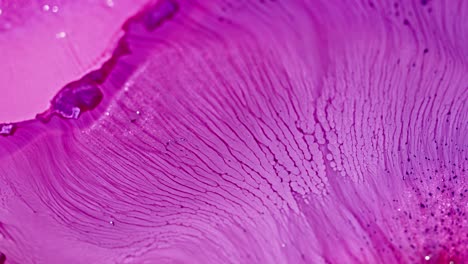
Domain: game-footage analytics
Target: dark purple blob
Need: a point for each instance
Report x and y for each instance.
(77, 97)
(161, 12)
(2, 258)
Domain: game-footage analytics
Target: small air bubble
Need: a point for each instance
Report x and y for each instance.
(134, 116)
(55, 9)
(45, 8)
(112, 223)
(110, 3)
(61, 35)
(427, 257)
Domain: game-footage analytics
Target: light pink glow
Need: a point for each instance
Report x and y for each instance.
(50, 44)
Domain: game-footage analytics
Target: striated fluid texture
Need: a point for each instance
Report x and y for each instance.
(324, 131)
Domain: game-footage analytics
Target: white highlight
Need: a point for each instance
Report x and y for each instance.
(61, 35)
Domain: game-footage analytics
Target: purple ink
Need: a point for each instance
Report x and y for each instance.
(162, 11)
(272, 132)
(7, 129)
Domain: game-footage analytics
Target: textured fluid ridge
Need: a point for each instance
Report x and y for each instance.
(252, 132)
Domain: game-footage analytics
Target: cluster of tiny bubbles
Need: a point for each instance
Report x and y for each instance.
(50, 8)
(14, 13)
(54, 9)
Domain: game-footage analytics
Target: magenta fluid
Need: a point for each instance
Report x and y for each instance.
(246, 132)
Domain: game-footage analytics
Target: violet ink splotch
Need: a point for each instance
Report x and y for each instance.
(7, 129)
(160, 12)
(271, 132)
(75, 98)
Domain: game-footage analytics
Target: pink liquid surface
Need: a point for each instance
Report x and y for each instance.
(180, 131)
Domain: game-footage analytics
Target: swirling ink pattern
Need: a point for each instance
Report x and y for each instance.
(322, 131)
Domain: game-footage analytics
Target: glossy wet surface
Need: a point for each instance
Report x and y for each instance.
(252, 132)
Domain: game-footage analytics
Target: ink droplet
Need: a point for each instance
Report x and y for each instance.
(2, 258)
